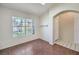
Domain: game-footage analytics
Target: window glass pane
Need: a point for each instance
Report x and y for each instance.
(30, 20)
(23, 21)
(22, 26)
(26, 31)
(30, 24)
(26, 24)
(23, 31)
(19, 31)
(30, 30)
(15, 32)
(18, 22)
(26, 20)
(15, 29)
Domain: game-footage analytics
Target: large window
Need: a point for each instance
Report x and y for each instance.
(22, 26)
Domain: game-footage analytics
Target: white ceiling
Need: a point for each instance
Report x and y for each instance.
(32, 8)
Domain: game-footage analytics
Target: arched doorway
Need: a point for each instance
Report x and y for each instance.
(64, 29)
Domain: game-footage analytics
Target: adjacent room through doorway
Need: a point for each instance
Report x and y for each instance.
(64, 29)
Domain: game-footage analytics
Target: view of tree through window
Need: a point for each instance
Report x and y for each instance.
(22, 26)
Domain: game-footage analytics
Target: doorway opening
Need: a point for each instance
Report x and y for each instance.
(64, 29)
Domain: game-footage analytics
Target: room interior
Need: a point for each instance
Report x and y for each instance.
(39, 29)
(66, 29)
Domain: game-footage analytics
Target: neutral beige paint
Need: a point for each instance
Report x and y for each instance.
(66, 26)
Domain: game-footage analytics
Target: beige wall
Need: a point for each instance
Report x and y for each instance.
(66, 26)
